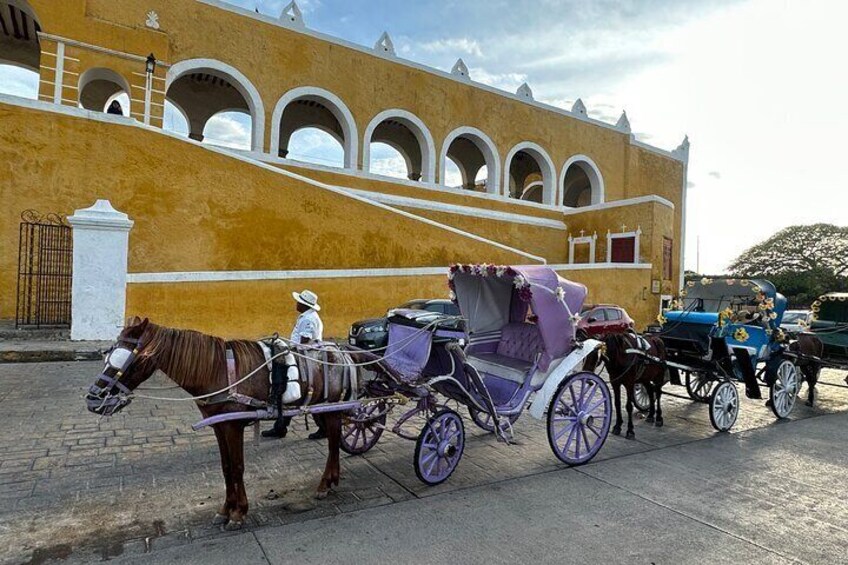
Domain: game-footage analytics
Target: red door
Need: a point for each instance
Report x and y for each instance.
(623, 250)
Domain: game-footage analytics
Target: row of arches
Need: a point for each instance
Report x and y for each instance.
(200, 93)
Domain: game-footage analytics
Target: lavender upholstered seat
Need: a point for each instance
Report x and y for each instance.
(518, 348)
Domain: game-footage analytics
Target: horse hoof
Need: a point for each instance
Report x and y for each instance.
(321, 494)
(649, 420)
(233, 526)
(768, 403)
(220, 519)
(810, 403)
(659, 423)
(630, 435)
(616, 431)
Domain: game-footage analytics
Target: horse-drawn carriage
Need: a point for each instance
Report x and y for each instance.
(830, 325)
(521, 340)
(724, 331)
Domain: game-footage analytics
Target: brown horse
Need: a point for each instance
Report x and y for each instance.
(630, 369)
(197, 363)
(809, 349)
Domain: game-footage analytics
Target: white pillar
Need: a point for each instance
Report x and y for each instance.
(99, 288)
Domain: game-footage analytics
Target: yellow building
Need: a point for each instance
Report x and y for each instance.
(220, 236)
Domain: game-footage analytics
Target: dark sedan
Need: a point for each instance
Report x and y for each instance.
(373, 332)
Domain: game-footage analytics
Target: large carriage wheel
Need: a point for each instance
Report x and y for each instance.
(698, 386)
(362, 429)
(579, 418)
(484, 419)
(641, 399)
(784, 390)
(724, 406)
(439, 447)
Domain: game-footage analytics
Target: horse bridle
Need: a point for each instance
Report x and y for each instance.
(113, 395)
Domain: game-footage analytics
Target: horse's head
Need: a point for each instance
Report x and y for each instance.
(616, 349)
(122, 373)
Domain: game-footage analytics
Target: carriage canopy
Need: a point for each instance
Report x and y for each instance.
(715, 295)
(490, 297)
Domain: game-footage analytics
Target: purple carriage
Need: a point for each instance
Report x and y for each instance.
(520, 342)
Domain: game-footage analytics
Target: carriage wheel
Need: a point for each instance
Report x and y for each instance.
(484, 419)
(362, 429)
(439, 447)
(724, 406)
(641, 398)
(579, 418)
(698, 386)
(784, 390)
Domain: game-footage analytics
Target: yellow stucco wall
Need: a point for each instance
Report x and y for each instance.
(277, 59)
(629, 288)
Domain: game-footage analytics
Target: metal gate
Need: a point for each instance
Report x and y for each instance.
(45, 260)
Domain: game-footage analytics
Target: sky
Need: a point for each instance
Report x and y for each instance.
(759, 86)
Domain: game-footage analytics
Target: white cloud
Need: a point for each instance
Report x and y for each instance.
(458, 45)
(18, 82)
(504, 81)
(229, 129)
(312, 145)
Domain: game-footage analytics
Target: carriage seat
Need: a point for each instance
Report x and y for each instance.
(518, 348)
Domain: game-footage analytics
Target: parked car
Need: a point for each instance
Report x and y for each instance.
(373, 332)
(796, 321)
(602, 319)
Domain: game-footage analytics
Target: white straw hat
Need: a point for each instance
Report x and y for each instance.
(307, 298)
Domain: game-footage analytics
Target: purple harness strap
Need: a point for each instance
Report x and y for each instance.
(232, 379)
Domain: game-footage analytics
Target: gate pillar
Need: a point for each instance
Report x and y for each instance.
(99, 287)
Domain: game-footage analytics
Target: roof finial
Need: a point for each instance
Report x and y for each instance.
(292, 15)
(579, 108)
(385, 44)
(682, 150)
(524, 91)
(623, 123)
(460, 69)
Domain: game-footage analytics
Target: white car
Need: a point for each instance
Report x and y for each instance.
(796, 321)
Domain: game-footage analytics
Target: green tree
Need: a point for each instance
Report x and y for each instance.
(803, 262)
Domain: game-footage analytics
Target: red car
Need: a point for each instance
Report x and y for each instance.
(602, 319)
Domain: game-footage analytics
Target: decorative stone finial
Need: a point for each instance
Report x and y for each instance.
(460, 69)
(682, 150)
(293, 15)
(623, 123)
(579, 108)
(152, 20)
(385, 44)
(524, 91)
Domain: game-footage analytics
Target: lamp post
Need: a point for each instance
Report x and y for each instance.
(150, 68)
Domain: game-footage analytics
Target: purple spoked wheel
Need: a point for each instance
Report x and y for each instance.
(363, 429)
(439, 447)
(579, 418)
(484, 419)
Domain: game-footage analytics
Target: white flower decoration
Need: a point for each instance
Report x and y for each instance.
(560, 294)
(519, 281)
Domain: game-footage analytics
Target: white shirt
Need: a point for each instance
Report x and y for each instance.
(309, 326)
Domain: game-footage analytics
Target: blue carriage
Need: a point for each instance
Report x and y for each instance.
(724, 331)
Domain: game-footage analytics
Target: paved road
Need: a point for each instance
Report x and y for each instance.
(142, 485)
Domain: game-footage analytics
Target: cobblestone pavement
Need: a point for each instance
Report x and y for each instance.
(142, 481)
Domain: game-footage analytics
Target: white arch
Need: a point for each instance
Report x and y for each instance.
(530, 187)
(239, 82)
(421, 133)
(596, 179)
(104, 74)
(486, 146)
(335, 105)
(546, 165)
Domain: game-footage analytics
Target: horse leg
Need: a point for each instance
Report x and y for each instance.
(812, 379)
(629, 405)
(333, 426)
(616, 389)
(658, 384)
(650, 388)
(234, 432)
(223, 514)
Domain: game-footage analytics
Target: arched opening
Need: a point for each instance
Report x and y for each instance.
(19, 27)
(99, 87)
(530, 174)
(407, 136)
(203, 88)
(470, 161)
(230, 128)
(314, 145)
(317, 109)
(20, 51)
(582, 184)
(389, 161)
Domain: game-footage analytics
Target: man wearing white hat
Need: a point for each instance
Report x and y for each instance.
(307, 328)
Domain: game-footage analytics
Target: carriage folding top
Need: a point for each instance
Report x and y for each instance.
(830, 325)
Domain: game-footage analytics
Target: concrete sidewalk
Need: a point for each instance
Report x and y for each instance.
(772, 495)
(47, 350)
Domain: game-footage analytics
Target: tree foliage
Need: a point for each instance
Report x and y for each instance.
(803, 262)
